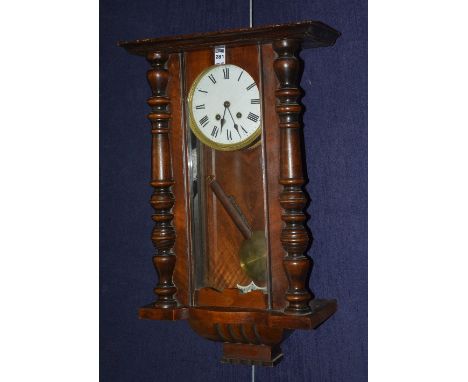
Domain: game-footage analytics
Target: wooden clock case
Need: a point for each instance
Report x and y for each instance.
(251, 326)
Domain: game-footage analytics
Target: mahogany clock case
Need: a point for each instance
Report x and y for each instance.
(266, 181)
(131, 127)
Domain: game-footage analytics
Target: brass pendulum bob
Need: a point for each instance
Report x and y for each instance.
(252, 255)
(253, 251)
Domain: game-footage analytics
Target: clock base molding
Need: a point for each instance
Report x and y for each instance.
(250, 336)
(230, 297)
(150, 312)
(247, 354)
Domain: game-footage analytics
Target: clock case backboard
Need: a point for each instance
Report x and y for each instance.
(250, 325)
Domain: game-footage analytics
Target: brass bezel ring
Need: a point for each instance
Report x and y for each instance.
(202, 137)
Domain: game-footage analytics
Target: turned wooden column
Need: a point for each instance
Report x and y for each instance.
(162, 199)
(294, 236)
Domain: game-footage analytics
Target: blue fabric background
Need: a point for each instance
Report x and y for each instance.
(335, 85)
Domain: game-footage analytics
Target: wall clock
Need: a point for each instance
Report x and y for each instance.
(230, 232)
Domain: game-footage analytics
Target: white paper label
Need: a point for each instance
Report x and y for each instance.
(219, 55)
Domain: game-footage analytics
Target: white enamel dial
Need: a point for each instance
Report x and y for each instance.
(224, 104)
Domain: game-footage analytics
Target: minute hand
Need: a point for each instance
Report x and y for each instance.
(235, 125)
(229, 110)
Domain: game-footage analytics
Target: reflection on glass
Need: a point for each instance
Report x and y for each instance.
(229, 244)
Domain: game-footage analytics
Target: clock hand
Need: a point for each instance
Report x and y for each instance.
(237, 129)
(229, 110)
(235, 125)
(223, 121)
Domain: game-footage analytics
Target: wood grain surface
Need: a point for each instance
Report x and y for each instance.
(314, 33)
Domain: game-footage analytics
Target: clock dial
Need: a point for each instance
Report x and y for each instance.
(225, 107)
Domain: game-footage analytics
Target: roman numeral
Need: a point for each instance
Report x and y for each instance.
(255, 101)
(229, 135)
(240, 75)
(211, 77)
(214, 132)
(199, 107)
(253, 117)
(226, 73)
(250, 86)
(245, 131)
(204, 121)
(203, 91)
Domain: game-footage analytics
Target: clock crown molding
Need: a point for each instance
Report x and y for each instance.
(313, 34)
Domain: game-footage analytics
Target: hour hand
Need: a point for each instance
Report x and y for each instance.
(223, 121)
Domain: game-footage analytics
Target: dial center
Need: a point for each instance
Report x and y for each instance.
(227, 103)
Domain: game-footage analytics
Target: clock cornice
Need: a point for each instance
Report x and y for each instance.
(314, 34)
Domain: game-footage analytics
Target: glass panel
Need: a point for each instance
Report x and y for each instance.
(229, 244)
